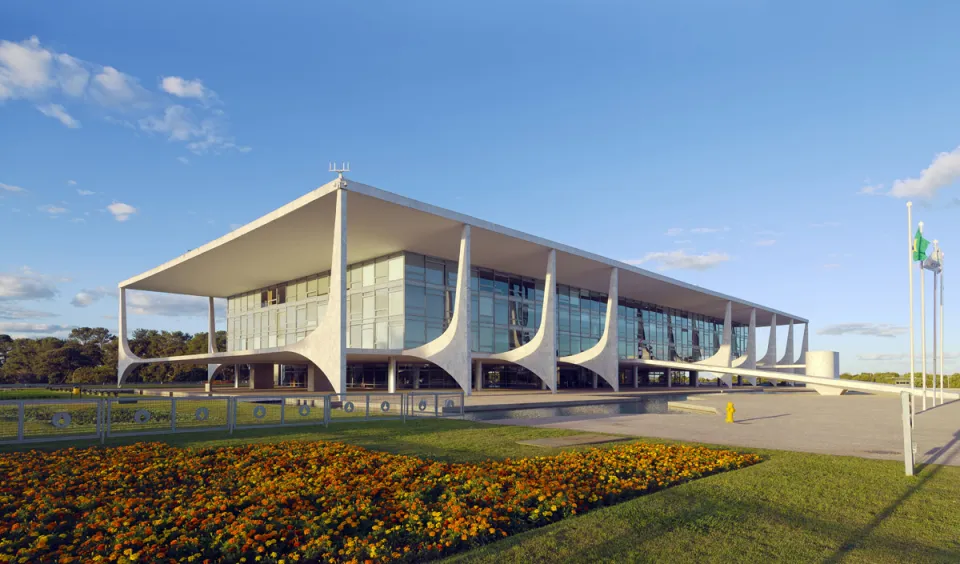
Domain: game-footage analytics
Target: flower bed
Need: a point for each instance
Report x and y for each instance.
(308, 501)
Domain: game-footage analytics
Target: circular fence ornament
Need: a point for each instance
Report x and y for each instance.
(259, 412)
(385, 406)
(422, 405)
(141, 416)
(304, 410)
(448, 403)
(201, 414)
(60, 419)
(348, 407)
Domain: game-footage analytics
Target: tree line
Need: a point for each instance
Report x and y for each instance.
(89, 356)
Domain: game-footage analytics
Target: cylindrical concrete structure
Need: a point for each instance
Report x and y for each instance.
(824, 364)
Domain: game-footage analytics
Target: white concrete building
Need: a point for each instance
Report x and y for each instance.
(350, 286)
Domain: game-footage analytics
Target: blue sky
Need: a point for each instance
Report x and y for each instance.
(761, 150)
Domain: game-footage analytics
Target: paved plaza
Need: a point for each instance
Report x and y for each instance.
(862, 425)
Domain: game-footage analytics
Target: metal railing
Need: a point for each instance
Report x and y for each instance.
(42, 420)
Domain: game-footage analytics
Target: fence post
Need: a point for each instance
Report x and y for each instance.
(463, 404)
(283, 409)
(21, 413)
(100, 421)
(326, 410)
(366, 415)
(108, 420)
(173, 415)
(231, 414)
(403, 407)
(436, 405)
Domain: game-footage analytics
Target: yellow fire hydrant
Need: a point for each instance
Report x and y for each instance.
(76, 391)
(730, 411)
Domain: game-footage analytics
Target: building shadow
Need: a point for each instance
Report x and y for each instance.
(764, 417)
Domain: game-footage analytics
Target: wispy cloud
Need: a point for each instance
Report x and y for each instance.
(825, 224)
(183, 160)
(58, 112)
(889, 357)
(765, 242)
(85, 298)
(16, 327)
(10, 188)
(943, 171)
(71, 182)
(871, 190)
(86, 192)
(13, 312)
(866, 329)
(121, 211)
(172, 305)
(52, 209)
(681, 260)
(26, 285)
(58, 84)
(831, 265)
(709, 229)
(674, 231)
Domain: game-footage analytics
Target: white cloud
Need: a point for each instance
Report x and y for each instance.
(13, 312)
(765, 242)
(52, 209)
(183, 88)
(55, 81)
(866, 329)
(33, 328)
(87, 297)
(85, 192)
(10, 188)
(674, 231)
(680, 260)
(871, 190)
(709, 229)
(71, 182)
(942, 172)
(27, 285)
(58, 112)
(170, 305)
(887, 357)
(121, 211)
(825, 224)
(184, 160)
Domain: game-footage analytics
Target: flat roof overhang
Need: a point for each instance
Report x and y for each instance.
(296, 240)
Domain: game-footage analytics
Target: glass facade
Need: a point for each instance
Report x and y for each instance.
(406, 300)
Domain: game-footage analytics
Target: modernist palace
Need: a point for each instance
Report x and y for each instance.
(353, 287)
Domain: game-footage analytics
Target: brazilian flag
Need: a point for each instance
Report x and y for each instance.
(920, 247)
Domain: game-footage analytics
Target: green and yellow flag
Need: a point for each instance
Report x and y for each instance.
(920, 247)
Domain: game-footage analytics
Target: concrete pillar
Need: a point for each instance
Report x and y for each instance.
(261, 376)
(824, 364)
(416, 377)
(595, 381)
(669, 376)
(636, 376)
(477, 375)
(392, 375)
(236, 376)
(317, 380)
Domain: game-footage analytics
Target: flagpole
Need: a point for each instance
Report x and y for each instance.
(936, 245)
(923, 330)
(942, 346)
(913, 397)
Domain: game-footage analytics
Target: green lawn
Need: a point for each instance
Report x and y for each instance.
(792, 507)
(32, 393)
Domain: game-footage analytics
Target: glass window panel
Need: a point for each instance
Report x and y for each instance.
(323, 285)
(474, 281)
(433, 331)
(486, 307)
(435, 305)
(501, 340)
(281, 339)
(434, 272)
(485, 280)
(356, 306)
(563, 295)
(574, 298)
(380, 270)
(311, 316)
(415, 330)
(272, 321)
(396, 336)
(256, 342)
(354, 336)
(563, 318)
(251, 302)
(272, 340)
(563, 344)
(500, 315)
(415, 299)
(321, 310)
(366, 336)
(301, 317)
(396, 303)
(501, 284)
(369, 307)
(369, 278)
(382, 302)
(292, 292)
(486, 339)
(516, 287)
(452, 274)
(311, 287)
(396, 268)
(414, 267)
(575, 344)
(382, 340)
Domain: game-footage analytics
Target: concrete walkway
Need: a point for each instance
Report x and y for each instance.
(867, 426)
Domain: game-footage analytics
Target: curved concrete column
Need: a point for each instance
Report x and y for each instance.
(126, 360)
(749, 360)
(769, 360)
(824, 364)
(540, 354)
(603, 358)
(326, 346)
(211, 342)
(722, 357)
(451, 350)
(788, 350)
(804, 347)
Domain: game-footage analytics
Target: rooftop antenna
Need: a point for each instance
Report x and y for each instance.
(344, 167)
